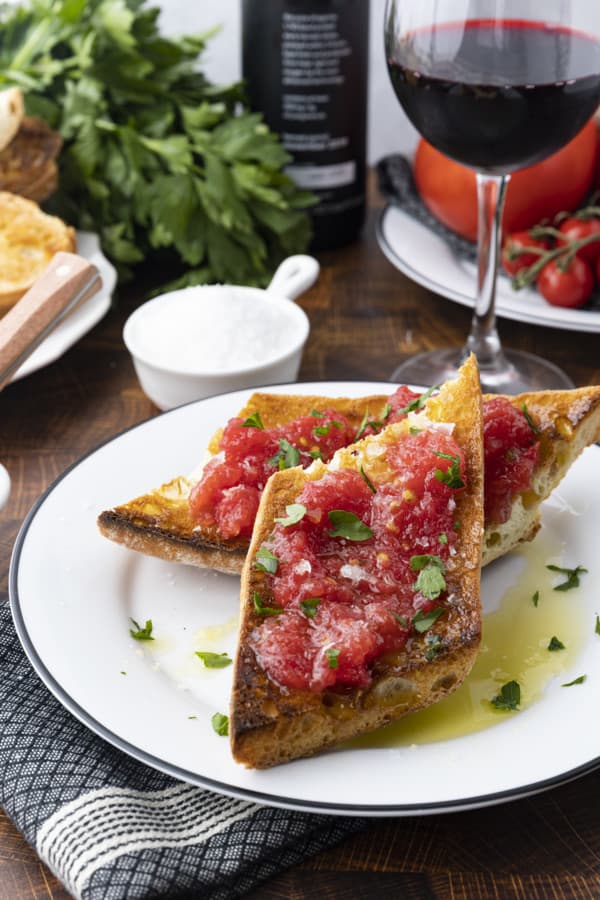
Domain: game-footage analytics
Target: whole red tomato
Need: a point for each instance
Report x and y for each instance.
(575, 229)
(513, 259)
(539, 192)
(566, 286)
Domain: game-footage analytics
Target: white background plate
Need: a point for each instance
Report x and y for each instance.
(82, 319)
(73, 592)
(426, 258)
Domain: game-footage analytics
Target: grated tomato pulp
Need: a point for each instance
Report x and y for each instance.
(228, 493)
(511, 447)
(361, 569)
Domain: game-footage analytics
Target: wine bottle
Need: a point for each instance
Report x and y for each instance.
(305, 63)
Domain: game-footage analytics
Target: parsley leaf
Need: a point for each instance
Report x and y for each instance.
(452, 476)
(373, 423)
(434, 643)
(310, 606)
(430, 581)
(262, 610)
(555, 644)
(321, 430)
(572, 577)
(214, 660)
(141, 634)
(529, 420)
(443, 538)
(254, 421)
(317, 414)
(315, 454)
(333, 657)
(536, 598)
(509, 697)
(419, 402)
(287, 457)
(579, 680)
(597, 628)
(295, 513)
(401, 620)
(423, 621)
(347, 525)
(220, 724)
(367, 481)
(265, 560)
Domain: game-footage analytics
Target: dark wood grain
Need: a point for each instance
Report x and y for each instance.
(365, 318)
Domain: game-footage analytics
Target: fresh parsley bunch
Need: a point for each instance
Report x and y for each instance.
(155, 158)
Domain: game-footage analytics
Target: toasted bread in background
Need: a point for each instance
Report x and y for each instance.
(567, 421)
(159, 523)
(11, 114)
(269, 724)
(28, 163)
(29, 238)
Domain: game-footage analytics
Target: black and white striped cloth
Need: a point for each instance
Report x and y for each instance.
(110, 828)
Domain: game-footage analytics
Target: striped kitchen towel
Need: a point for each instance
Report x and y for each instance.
(111, 828)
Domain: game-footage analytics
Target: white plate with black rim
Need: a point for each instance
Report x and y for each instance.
(83, 319)
(73, 594)
(428, 259)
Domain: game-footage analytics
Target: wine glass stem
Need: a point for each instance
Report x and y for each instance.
(483, 338)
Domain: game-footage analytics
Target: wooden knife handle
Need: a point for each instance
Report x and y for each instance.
(66, 282)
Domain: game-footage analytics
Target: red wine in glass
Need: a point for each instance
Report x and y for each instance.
(518, 114)
(497, 94)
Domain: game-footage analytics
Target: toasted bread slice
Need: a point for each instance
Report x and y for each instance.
(159, 523)
(270, 724)
(567, 422)
(28, 162)
(29, 238)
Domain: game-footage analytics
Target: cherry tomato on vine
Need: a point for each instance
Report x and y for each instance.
(575, 229)
(512, 259)
(566, 286)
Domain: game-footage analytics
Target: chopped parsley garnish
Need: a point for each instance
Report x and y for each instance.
(220, 724)
(261, 609)
(214, 660)
(123, 673)
(430, 581)
(443, 538)
(529, 420)
(295, 512)
(555, 644)
(536, 598)
(287, 457)
(423, 621)
(597, 628)
(451, 476)
(254, 421)
(317, 414)
(333, 657)
(142, 634)
(373, 423)
(310, 606)
(434, 643)
(401, 620)
(414, 430)
(347, 525)
(315, 454)
(579, 680)
(419, 402)
(192, 717)
(456, 525)
(509, 697)
(265, 560)
(367, 480)
(321, 430)
(572, 577)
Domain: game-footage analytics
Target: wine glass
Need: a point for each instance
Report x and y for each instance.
(496, 85)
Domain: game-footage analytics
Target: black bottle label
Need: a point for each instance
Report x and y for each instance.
(305, 64)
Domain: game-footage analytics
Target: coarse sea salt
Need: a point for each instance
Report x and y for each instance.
(223, 331)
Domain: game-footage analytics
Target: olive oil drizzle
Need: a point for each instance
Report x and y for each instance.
(514, 646)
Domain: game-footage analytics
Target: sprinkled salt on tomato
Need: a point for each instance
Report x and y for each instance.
(344, 583)
(510, 452)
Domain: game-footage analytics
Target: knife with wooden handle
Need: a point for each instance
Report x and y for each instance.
(65, 283)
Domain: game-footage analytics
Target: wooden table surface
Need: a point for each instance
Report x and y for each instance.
(365, 318)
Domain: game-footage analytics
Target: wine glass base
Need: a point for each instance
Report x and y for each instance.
(518, 372)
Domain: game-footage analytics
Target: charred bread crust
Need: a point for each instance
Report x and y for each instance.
(159, 523)
(269, 724)
(567, 421)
